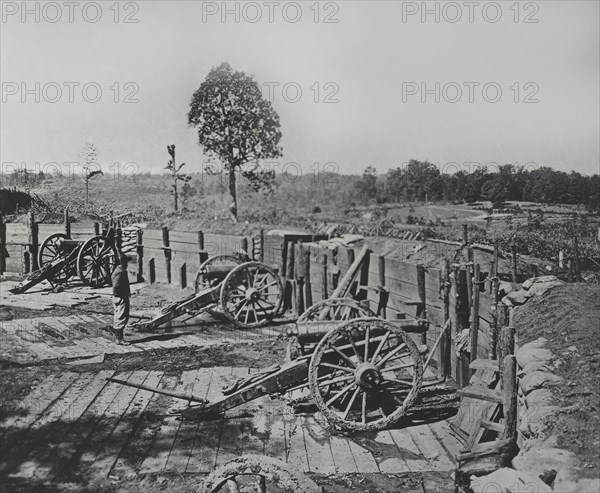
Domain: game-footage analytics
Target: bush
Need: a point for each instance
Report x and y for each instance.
(316, 209)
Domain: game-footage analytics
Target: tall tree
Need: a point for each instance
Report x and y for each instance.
(91, 168)
(236, 125)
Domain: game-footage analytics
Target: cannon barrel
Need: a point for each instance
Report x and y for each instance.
(314, 331)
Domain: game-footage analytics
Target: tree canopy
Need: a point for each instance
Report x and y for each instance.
(236, 125)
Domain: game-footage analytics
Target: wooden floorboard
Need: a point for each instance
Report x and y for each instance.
(125, 428)
(78, 424)
(138, 448)
(164, 438)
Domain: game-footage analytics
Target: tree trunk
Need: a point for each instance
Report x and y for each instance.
(175, 193)
(87, 188)
(232, 194)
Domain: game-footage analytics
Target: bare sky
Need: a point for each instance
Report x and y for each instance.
(374, 61)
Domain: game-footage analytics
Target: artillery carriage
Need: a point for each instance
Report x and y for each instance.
(60, 258)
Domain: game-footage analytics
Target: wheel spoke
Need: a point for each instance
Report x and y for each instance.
(342, 355)
(267, 286)
(407, 383)
(380, 347)
(343, 378)
(394, 351)
(352, 399)
(241, 309)
(367, 334)
(248, 306)
(354, 348)
(364, 407)
(340, 393)
(338, 367)
(400, 367)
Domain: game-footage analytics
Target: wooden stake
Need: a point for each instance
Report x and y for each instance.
(324, 289)
(167, 252)
(307, 285)
(475, 314)
(33, 242)
(262, 245)
(140, 255)
(2, 244)
(422, 309)
(465, 235)
(381, 266)
(446, 344)
(202, 253)
(67, 223)
(509, 394)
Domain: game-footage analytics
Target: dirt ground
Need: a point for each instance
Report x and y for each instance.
(568, 317)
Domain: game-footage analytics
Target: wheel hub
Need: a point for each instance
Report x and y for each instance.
(368, 376)
(252, 294)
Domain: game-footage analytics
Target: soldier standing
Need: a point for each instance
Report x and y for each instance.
(121, 294)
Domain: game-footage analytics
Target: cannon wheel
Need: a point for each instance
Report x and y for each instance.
(50, 250)
(96, 261)
(202, 282)
(251, 295)
(257, 473)
(365, 374)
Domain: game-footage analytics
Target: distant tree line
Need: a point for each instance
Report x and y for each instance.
(423, 181)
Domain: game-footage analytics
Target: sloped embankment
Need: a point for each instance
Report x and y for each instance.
(568, 316)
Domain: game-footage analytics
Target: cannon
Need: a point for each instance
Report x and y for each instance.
(60, 258)
(363, 373)
(247, 293)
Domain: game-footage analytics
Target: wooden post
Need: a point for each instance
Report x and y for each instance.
(67, 223)
(96, 228)
(513, 249)
(202, 253)
(307, 285)
(262, 245)
(561, 259)
(469, 271)
(151, 268)
(33, 242)
(509, 397)
(324, 289)
(289, 282)
(167, 251)
(245, 246)
(299, 278)
(489, 278)
(494, 327)
(381, 267)
(496, 257)
(140, 255)
(422, 309)
(465, 235)
(2, 244)
(182, 274)
(446, 342)
(475, 314)
(577, 264)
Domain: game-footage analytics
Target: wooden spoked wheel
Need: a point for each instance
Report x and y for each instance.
(257, 474)
(335, 309)
(96, 261)
(51, 249)
(203, 278)
(251, 295)
(365, 374)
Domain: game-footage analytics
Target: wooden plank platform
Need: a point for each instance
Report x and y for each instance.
(81, 336)
(91, 428)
